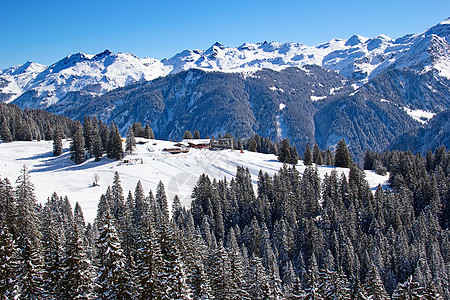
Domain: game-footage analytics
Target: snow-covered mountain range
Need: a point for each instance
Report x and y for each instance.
(358, 58)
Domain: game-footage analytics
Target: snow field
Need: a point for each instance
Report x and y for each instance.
(179, 173)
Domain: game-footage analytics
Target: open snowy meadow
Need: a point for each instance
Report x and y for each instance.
(148, 163)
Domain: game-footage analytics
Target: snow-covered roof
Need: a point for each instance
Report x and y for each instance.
(196, 141)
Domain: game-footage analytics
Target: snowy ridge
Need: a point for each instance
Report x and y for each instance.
(179, 172)
(95, 74)
(358, 57)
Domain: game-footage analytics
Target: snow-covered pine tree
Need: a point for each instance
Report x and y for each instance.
(410, 290)
(78, 217)
(28, 237)
(8, 262)
(126, 227)
(148, 263)
(117, 199)
(219, 272)
(52, 251)
(103, 132)
(141, 206)
(313, 291)
(431, 292)
(78, 273)
(172, 271)
(113, 281)
(200, 288)
(8, 205)
(374, 286)
(258, 280)
(237, 271)
(161, 200)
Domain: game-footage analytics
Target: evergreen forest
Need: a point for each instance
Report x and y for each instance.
(294, 237)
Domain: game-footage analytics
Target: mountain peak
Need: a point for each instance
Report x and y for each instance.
(215, 46)
(445, 22)
(441, 29)
(102, 54)
(355, 40)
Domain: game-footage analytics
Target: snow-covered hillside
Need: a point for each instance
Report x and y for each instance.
(358, 57)
(179, 173)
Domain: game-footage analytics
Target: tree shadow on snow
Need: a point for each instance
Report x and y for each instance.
(63, 163)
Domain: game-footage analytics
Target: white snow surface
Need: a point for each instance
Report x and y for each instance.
(317, 98)
(358, 57)
(179, 173)
(419, 115)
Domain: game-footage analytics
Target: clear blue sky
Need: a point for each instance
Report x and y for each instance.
(46, 31)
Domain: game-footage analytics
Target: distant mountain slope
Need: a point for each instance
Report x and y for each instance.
(308, 105)
(270, 103)
(427, 138)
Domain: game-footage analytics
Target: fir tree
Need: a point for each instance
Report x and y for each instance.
(251, 145)
(172, 272)
(177, 210)
(431, 292)
(138, 130)
(374, 286)
(161, 200)
(77, 145)
(130, 142)
(88, 133)
(148, 263)
(115, 149)
(329, 158)
(8, 262)
(409, 290)
(287, 153)
(103, 132)
(219, 270)
(307, 156)
(52, 251)
(97, 147)
(317, 155)
(187, 135)
(148, 132)
(258, 281)
(29, 278)
(5, 133)
(117, 199)
(199, 283)
(196, 134)
(113, 278)
(57, 142)
(342, 157)
(77, 282)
